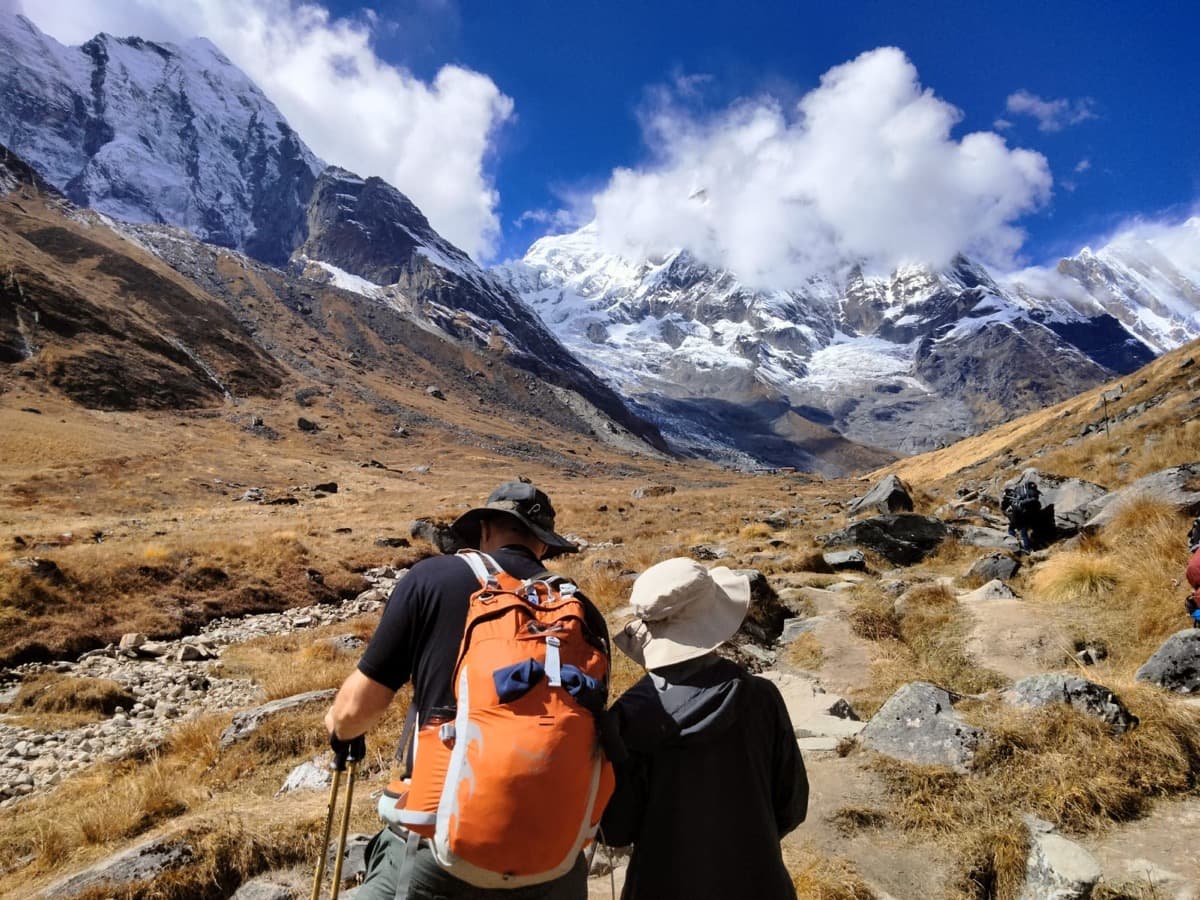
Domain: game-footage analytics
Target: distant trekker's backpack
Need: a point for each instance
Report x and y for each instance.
(1028, 502)
(512, 787)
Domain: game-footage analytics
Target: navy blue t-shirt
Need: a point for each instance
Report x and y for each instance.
(419, 636)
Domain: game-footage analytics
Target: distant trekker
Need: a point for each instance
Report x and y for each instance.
(1192, 603)
(713, 778)
(1022, 504)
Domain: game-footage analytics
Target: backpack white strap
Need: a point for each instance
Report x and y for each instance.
(483, 566)
(553, 662)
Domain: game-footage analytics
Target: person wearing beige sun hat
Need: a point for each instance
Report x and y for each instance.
(711, 753)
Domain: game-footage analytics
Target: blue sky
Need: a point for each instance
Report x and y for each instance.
(496, 116)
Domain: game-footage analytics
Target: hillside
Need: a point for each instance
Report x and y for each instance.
(153, 525)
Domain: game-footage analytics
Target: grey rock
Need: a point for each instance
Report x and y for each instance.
(1086, 696)
(891, 495)
(141, 863)
(45, 569)
(354, 859)
(1178, 487)
(310, 776)
(246, 723)
(438, 534)
(764, 620)
(708, 552)
(993, 590)
(987, 538)
(265, 887)
(435, 392)
(793, 628)
(902, 539)
(132, 640)
(1176, 664)
(846, 560)
(919, 724)
(1057, 869)
(652, 490)
(994, 566)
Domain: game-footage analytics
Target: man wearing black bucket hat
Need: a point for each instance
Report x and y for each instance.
(418, 639)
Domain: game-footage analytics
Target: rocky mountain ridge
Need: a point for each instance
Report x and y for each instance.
(909, 361)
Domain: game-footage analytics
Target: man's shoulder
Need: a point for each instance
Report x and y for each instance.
(434, 572)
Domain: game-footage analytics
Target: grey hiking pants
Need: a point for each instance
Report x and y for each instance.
(429, 881)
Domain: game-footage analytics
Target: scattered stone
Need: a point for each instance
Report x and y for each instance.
(1057, 869)
(778, 520)
(652, 490)
(307, 425)
(354, 859)
(1176, 664)
(246, 723)
(132, 641)
(708, 552)
(846, 560)
(310, 776)
(1080, 694)
(993, 590)
(346, 530)
(283, 501)
(326, 487)
(45, 569)
(439, 534)
(391, 541)
(1090, 654)
(253, 495)
(435, 392)
(891, 495)
(141, 863)
(268, 887)
(793, 628)
(902, 539)
(993, 567)
(765, 618)
(919, 724)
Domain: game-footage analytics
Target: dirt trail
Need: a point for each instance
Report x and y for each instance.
(1014, 638)
(1153, 852)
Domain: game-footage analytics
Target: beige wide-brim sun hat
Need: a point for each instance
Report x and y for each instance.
(682, 610)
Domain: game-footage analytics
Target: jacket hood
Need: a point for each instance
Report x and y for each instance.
(692, 702)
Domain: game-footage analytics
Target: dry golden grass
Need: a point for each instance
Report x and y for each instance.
(1055, 763)
(805, 653)
(1124, 584)
(817, 876)
(52, 701)
(921, 641)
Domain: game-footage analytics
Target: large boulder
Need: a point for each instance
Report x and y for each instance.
(1176, 664)
(246, 723)
(1056, 868)
(891, 495)
(994, 566)
(845, 561)
(1086, 696)
(1178, 487)
(903, 539)
(919, 724)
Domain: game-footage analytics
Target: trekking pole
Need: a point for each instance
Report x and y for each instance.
(346, 756)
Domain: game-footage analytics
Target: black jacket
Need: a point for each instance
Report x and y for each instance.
(713, 780)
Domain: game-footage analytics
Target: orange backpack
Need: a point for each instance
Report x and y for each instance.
(512, 787)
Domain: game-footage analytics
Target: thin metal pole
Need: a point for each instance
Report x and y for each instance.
(324, 849)
(341, 847)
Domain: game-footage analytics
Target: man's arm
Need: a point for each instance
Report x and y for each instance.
(360, 703)
(790, 787)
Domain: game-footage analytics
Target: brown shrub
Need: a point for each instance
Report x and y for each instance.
(94, 698)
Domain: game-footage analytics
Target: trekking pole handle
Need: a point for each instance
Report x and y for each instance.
(351, 751)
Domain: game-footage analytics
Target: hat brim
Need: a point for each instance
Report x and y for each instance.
(700, 628)
(467, 527)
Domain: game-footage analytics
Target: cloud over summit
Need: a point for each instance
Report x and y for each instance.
(431, 140)
(863, 168)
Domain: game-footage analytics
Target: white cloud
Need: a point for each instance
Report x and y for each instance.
(431, 140)
(1051, 115)
(863, 169)
(1083, 165)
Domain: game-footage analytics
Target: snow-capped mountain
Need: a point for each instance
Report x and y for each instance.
(156, 133)
(164, 134)
(1149, 282)
(904, 362)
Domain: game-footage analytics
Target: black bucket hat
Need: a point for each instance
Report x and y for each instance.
(523, 502)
